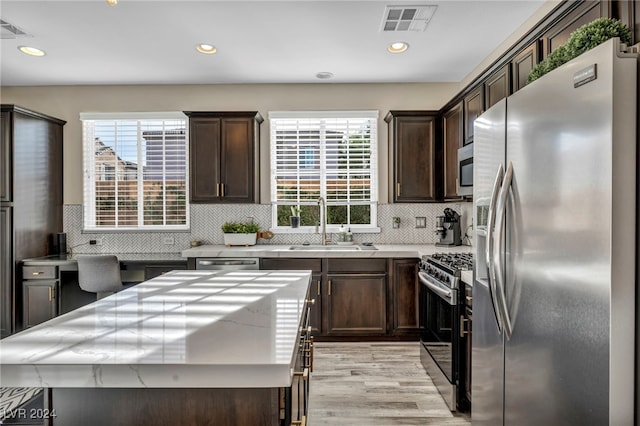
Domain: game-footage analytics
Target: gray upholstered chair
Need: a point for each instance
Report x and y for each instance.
(99, 274)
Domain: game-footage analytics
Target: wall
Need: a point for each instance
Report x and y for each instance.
(522, 30)
(67, 102)
(206, 221)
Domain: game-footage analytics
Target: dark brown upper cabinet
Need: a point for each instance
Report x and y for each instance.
(497, 86)
(224, 156)
(559, 32)
(452, 138)
(523, 63)
(473, 107)
(412, 139)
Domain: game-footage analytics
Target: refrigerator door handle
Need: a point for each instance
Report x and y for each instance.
(489, 254)
(499, 250)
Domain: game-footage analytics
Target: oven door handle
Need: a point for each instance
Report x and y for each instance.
(447, 295)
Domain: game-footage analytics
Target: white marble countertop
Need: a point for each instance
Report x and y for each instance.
(264, 250)
(183, 329)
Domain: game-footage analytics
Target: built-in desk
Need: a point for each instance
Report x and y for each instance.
(50, 284)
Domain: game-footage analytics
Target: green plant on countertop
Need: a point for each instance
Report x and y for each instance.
(240, 228)
(584, 38)
(295, 211)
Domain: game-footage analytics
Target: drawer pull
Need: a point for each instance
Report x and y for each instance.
(37, 273)
(304, 374)
(302, 422)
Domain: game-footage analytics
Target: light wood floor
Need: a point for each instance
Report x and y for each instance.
(374, 384)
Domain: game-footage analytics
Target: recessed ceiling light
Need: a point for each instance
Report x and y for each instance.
(207, 49)
(112, 2)
(398, 47)
(324, 75)
(31, 51)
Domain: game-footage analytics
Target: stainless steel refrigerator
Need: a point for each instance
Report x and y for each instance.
(555, 248)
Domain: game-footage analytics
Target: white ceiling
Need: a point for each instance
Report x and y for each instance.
(153, 42)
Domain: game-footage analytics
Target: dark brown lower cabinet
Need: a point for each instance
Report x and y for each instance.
(404, 276)
(355, 304)
(359, 297)
(315, 289)
(315, 304)
(162, 406)
(40, 301)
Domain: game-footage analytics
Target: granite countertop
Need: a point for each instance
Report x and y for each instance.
(182, 329)
(264, 250)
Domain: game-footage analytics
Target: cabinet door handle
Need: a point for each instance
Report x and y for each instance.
(222, 189)
(304, 374)
(50, 294)
(302, 422)
(463, 329)
(318, 288)
(329, 282)
(398, 188)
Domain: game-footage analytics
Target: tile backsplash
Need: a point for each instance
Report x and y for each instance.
(207, 219)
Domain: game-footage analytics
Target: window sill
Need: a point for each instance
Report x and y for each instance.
(330, 230)
(134, 231)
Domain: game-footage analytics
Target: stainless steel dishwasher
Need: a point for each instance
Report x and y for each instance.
(227, 263)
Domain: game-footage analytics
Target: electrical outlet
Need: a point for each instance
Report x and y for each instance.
(421, 222)
(168, 241)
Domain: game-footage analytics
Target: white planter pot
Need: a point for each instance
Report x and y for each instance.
(240, 239)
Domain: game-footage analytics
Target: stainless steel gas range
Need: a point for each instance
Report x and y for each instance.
(442, 331)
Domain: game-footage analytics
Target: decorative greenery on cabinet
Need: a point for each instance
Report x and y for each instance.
(584, 38)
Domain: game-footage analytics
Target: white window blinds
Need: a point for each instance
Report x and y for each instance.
(329, 154)
(135, 171)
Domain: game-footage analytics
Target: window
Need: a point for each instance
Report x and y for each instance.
(329, 154)
(135, 171)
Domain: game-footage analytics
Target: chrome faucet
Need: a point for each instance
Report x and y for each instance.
(323, 221)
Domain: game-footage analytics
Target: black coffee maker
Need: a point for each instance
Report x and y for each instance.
(448, 228)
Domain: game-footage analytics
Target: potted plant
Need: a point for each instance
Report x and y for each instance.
(584, 38)
(295, 216)
(240, 234)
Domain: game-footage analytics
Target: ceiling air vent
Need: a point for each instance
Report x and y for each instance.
(407, 18)
(10, 31)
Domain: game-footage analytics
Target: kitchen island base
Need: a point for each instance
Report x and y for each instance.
(177, 406)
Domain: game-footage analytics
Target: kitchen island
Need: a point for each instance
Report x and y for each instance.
(188, 347)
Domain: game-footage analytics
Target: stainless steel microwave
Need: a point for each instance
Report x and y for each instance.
(465, 170)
